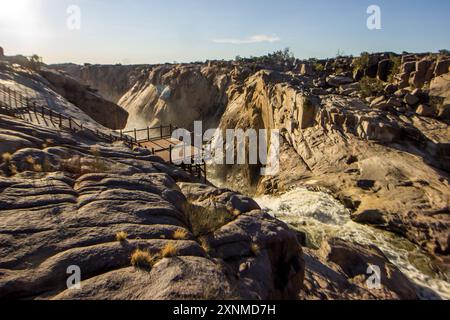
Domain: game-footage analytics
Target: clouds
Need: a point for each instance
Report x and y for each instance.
(260, 38)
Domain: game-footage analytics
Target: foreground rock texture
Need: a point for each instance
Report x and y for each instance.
(64, 198)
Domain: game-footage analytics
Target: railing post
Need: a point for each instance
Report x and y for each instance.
(204, 172)
(135, 134)
(148, 133)
(170, 154)
(170, 130)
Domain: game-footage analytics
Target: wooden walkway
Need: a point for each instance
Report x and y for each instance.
(158, 139)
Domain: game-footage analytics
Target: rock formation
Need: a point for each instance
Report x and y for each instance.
(64, 199)
(371, 130)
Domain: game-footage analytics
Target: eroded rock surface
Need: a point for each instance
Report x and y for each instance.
(64, 199)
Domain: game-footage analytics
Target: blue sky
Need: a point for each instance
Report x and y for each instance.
(154, 31)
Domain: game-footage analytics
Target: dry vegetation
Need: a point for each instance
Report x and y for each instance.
(121, 236)
(143, 260)
(169, 250)
(256, 249)
(180, 234)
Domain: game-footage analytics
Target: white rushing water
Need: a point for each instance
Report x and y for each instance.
(320, 215)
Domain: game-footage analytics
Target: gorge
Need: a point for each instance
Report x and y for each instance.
(364, 178)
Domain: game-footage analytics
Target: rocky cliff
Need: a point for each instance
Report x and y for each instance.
(125, 217)
(136, 227)
(373, 129)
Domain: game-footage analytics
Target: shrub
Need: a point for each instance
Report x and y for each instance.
(371, 86)
(361, 62)
(180, 234)
(142, 260)
(169, 250)
(6, 157)
(121, 236)
(256, 250)
(319, 67)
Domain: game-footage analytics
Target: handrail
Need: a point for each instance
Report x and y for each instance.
(13, 101)
(23, 104)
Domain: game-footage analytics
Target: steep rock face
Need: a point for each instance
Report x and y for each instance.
(387, 167)
(37, 90)
(64, 199)
(178, 95)
(104, 112)
(111, 81)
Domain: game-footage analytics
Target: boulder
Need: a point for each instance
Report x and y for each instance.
(408, 67)
(342, 270)
(442, 67)
(426, 110)
(390, 88)
(381, 103)
(384, 69)
(440, 96)
(306, 69)
(403, 80)
(355, 260)
(348, 89)
(337, 81)
(411, 99)
(421, 75)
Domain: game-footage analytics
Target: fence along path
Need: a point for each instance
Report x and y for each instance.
(14, 103)
(158, 139)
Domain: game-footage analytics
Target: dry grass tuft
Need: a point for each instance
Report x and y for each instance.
(121, 236)
(6, 157)
(205, 244)
(256, 249)
(142, 260)
(12, 169)
(30, 160)
(180, 234)
(37, 168)
(169, 251)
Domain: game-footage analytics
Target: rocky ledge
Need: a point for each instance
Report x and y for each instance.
(136, 227)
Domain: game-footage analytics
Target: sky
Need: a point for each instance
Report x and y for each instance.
(158, 31)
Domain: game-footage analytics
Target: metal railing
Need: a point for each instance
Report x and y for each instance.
(16, 104)
(24, 108)
(149, 134)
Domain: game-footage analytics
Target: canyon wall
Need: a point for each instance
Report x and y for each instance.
(372, 130)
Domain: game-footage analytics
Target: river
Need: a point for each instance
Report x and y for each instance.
(319, 215)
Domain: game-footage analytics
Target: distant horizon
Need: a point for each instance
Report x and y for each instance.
(167, 31)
